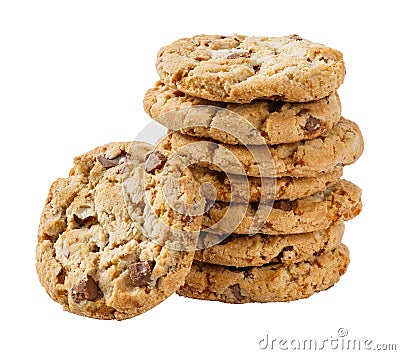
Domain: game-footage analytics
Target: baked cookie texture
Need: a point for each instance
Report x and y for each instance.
(258, 122)
(257, 250)
(241, 69)
(91, 258)
(268, 283)
(342, 145)
(338, 203)
(217, 185)
(168, 200)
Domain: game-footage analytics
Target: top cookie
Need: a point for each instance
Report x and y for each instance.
(241, 69)
(91, 258)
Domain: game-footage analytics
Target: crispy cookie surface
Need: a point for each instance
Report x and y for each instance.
(218, 185)
(256, 250)
(241, 69)
(342, 145)
(258, 122)
(338, 203)
(91, 258)
(269, 283)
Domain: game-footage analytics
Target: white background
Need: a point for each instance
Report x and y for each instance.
(73, 75)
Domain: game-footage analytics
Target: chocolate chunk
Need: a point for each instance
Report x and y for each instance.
(296, 37)
(85, 290)
(88, 221)
(187, 218)
(238, 55)
(284, 205)
(179, 93)
(312, 124)
(140, 272)
(155, 160)
(110, 163)
(236, 291)
(287, 248)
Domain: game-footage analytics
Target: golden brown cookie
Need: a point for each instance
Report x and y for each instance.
(269, 283)
(342, 145)
(217, 185)
(91, 258)
(256, 250)
(338, 203)
(275, 122)
(241, 69)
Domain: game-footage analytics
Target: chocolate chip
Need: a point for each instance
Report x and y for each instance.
(85, 290)
(238, 55)
(296, 37)
(88, 221)
(155, 160)
(140, 272)
(221, 37)
(187, 218)
(179, 93)
(287, 248)
(236, 291)
(284, 205)
(110, 163)
(312, 124)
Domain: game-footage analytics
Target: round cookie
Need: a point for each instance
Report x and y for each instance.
(244, 250)
(342, 145)
(241, 69)
(91, 258)
(269, 283)
(286, 188)
(338, 203)
(277, 122)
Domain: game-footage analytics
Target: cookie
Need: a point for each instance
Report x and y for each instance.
(244, 250)
(216, 185)
(91, 258)
(168, 202)
(241, 68)
(338, 203)
(342, 145)
(269, 283)
(273, 121)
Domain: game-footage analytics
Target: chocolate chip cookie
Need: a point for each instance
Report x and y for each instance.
(269, 283)
(342, 145)
(217, 185)
(91, 258)
(336, 204)
(256, 250)
(241, 68)
(274, 122)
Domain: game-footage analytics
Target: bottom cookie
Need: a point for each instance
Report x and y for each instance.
(269, 283)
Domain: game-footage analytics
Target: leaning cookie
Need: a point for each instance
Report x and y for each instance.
(342, 145)
(338, 203)
(91, 258)
(241, 69)
(219, 186)
(269, 283)
(256, 250)
(259, 122)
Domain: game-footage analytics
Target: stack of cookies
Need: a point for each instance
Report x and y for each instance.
(242, 201)
(261, 112)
